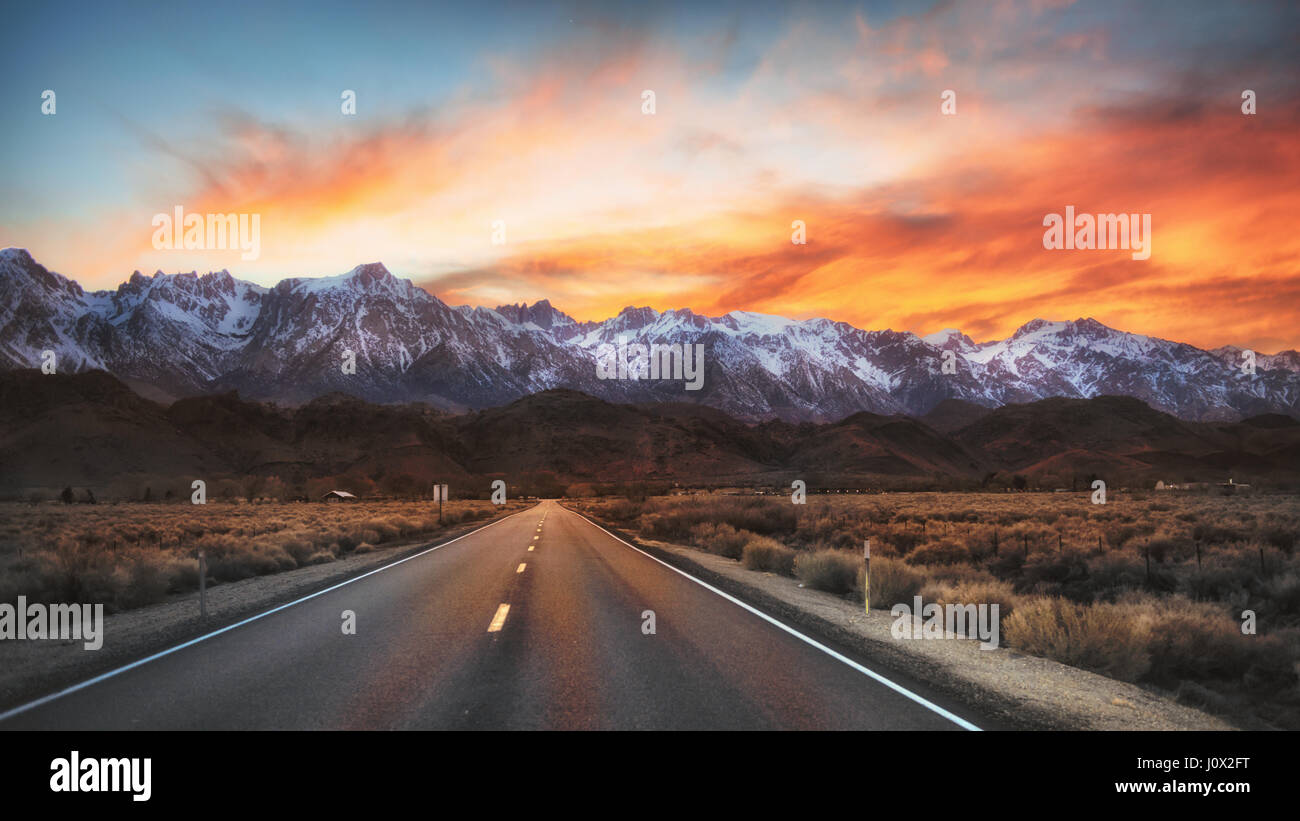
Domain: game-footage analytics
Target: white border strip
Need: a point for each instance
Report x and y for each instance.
(898, 688)
(5, 716)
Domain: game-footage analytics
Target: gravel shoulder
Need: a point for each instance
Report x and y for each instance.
(1024, 691)
(31, 669)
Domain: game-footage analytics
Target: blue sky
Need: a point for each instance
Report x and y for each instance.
(767, 112)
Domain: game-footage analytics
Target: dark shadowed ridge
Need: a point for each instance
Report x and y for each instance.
(90, 428)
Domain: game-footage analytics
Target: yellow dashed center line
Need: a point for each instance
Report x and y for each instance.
(530, 548)
(499, 620)
(520, 568)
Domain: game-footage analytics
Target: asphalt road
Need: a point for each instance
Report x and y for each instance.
(533, 622)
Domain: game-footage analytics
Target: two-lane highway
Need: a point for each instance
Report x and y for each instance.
(533, 622)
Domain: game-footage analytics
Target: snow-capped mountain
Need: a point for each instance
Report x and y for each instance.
(186, 334)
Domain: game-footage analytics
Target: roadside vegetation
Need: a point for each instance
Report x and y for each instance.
(1148, 588)
(132, 554)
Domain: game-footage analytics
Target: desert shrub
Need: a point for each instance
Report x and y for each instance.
(1218, 533)
(674, 519)
(368, 534)
(1117, 535)
(720, 539)
(668, 528)
(299, 549)
(1283, 538)
(893, 581)
(1163, 549)
(762, 515)
(141, 583)
(1202, 698)
(1111, 574)
(455, 517)
(764, 553)
(835, 571)
(261, 558)
(1105, 638)
(939, 551)
(903, 541)
(1282, 598)
(1200, 642)
(406, 525)
(974, 591)
(1057, 574)
(1006, 565)
(183, 571)
(622, 510)
(386, 530)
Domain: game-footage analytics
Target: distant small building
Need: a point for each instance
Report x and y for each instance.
(1233, 487)
(339, 496)
(1183, 485)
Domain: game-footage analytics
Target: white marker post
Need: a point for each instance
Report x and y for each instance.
(440, 496)
(203, 584)
(866, 576)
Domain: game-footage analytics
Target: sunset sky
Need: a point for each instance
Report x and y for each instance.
(765, 114)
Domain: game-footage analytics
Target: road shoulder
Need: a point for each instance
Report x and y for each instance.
(30, 669)
(1022, 691)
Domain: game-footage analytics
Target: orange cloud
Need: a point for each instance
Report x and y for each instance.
(915, 221)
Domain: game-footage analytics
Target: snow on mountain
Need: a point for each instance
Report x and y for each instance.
(951, 339)
(184, 334)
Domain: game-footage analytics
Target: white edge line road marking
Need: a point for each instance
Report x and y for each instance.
(898, 688)
(499, 620)
(22, 708)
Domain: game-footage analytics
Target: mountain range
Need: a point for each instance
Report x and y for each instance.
(181, 335)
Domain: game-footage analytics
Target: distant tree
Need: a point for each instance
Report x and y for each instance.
(89, 498)
(402, 485)
(296, 490)
(148, 494)
(1019, 482)
(252, 486)
(316, 488)
(67, 496)
(273, 489)
(168, 495)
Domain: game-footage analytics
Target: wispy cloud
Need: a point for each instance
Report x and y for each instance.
(915, 220)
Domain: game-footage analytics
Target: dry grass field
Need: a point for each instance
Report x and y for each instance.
(132, 554)
(1148, 588)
